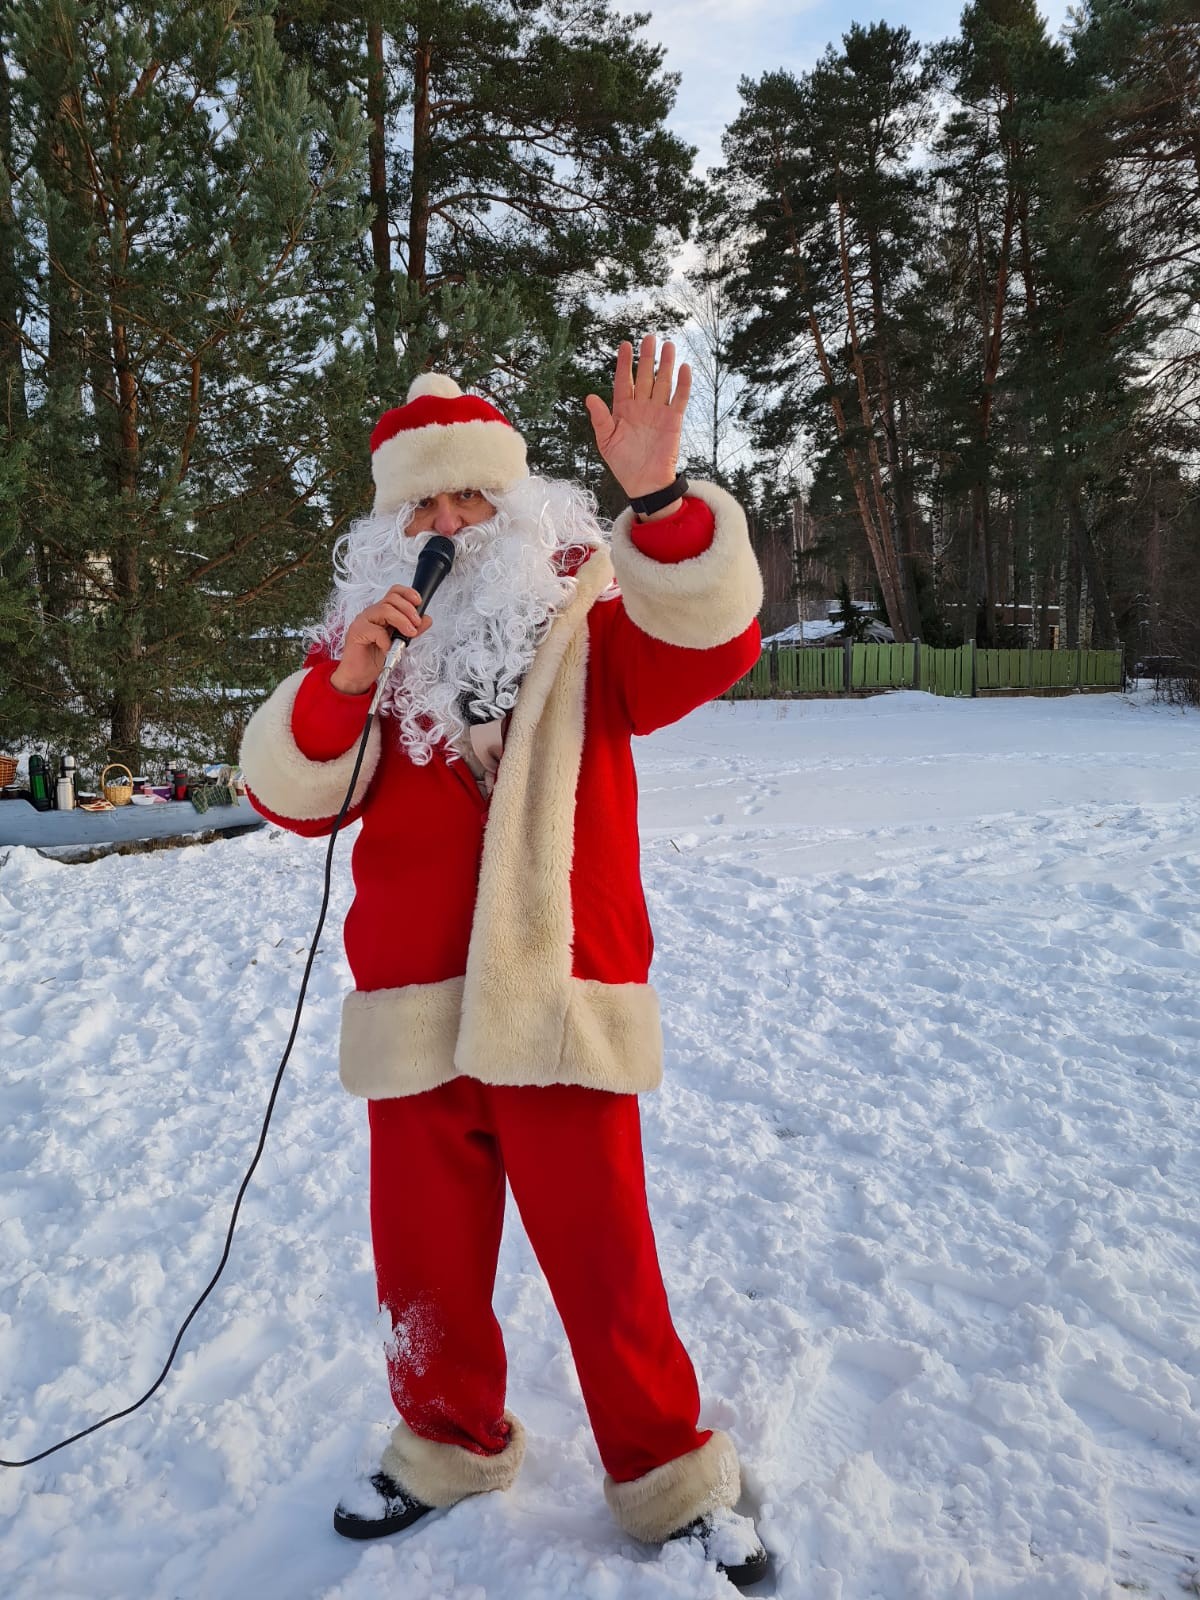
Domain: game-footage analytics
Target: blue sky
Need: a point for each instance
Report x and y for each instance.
(714, 43)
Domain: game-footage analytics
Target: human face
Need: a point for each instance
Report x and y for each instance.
(447, 513)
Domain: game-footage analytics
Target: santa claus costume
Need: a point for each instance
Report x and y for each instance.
(502, 1022)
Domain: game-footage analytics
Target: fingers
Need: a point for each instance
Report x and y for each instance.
(666, 371)
(367, 636)
(649, 383)
(623, 377)
(643, 383)
(601, 419)
(400, 614)
(682, 389)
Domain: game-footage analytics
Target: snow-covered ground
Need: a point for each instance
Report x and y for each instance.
(923, 1173)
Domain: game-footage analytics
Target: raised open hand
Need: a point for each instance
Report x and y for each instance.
(639, 437)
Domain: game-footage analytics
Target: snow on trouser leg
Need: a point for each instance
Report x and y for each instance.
(437, 1210)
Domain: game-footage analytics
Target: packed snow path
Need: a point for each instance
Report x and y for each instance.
(923, 1173)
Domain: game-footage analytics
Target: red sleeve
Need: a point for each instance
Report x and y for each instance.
(677, 538)
(325, 722)
(659, 683)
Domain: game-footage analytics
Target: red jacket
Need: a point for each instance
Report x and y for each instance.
(507, 938)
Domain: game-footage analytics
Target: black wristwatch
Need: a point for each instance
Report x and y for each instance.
(646, 504)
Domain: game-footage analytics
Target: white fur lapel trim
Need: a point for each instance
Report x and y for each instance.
(517, 989)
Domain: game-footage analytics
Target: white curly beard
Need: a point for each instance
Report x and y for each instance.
(493, 609)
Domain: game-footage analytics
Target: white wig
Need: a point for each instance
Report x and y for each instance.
(510, 575)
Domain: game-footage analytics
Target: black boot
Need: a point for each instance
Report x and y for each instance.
(378, 1506)
(732, 1542)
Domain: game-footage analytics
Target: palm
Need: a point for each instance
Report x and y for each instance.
(639, 437)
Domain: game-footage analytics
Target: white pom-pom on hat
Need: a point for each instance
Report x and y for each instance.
(436, 383)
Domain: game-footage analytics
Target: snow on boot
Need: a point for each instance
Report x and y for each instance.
(732, 1542)
(376, 1506)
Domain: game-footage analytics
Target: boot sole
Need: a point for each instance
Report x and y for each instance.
(363, 1528)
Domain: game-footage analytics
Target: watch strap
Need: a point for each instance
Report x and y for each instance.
(646, 504)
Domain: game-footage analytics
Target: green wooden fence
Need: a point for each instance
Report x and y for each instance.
(836, 669)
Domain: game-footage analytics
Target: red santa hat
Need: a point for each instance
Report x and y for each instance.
(440, 440)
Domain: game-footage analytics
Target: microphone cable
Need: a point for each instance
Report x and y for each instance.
(434, 562)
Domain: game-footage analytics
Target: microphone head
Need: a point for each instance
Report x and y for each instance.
(434, 562)
(438, 548)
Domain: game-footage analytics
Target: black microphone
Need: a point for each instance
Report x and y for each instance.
(434, 562)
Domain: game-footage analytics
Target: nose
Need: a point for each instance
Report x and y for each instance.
(448, 519)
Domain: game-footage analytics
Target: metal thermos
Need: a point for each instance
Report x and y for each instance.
(64, 796)
(39, 784)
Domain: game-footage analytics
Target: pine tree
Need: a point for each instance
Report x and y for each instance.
(820, 178)
(521, 174)
(1001, 69)
(176, 253)
(1125, 186)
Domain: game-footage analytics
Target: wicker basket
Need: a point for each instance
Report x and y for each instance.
(121, 792)
(8, 770)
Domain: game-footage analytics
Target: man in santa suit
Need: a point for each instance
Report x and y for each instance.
(502, 1024)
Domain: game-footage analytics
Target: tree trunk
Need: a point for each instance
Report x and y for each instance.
(1072, 597)
(1105, 627)
(991, 366)
(13, 405)
(127, 699)
(381, 238)
(902, 509)
(887, 539)
(1154, 577)
(853, 467)
(418, 224)
(1046, 601)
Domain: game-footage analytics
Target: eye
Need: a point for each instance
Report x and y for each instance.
(424, 505)
(470, 494)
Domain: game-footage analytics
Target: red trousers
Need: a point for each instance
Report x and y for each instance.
(573, 1158)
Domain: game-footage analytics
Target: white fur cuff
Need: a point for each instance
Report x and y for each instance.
(698, 603)
(661, 1502)
(443, 1474)
(287, 782)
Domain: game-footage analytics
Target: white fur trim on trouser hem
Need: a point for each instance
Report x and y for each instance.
(659, 1503)
(701, 602)
(286, 781)
(443, 1474)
